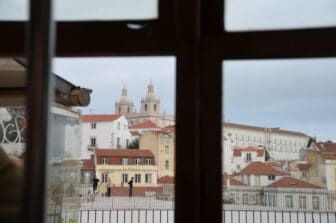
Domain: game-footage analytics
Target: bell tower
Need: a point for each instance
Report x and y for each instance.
(150, 104)
(124, 106)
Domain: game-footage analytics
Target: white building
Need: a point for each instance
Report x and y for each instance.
(150, 109)
(259, 174)
(243, 156)
(280, 144)
(104, 131)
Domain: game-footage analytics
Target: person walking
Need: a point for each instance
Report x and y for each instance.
(95, 184)
(130, 190)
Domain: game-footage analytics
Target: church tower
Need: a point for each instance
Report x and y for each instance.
(124, 106)
(150, 104)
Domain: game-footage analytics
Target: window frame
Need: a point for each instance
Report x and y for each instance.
(200, 48)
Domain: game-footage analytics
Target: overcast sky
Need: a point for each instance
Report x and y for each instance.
(297, 95)
(107, 76)
(292, 94)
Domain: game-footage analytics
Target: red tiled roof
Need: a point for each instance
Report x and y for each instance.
(88, 164)
(145, 125)
(260, 168)
(125, 153)
(166, 180)
(237, 152)
(233, 181)
(137, 191)
(255, 128)
(169, 128)
(276, 163)
(135, 133)
(328, 157)
(100, 118)
(292, 182)
(303, 166)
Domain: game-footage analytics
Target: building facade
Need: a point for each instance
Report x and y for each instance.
(103, 131)
(115, 168)
(280, 144)
(243, 156)
(150, 109)
(162, 145)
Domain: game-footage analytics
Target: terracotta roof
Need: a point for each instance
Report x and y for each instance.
(145, 125)
(303, 166)
(169, 128)
(166, 180)
(260, 168)
(276, 163)
(292, 182)
(256, 128)
(237, 151)
(137, 191)
(328, 157)
(88, 164)
(327, 147)
(233, 181)
(135, 133)
(125, 153)
(100, 118)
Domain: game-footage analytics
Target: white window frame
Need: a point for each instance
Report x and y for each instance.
(137, 178)
(124, 161)
(148, 178)
(137, 161)
(105, 161)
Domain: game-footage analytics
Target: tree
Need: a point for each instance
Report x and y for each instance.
(134, 144)
(267, 155)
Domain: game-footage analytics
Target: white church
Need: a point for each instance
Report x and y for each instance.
(149, 109)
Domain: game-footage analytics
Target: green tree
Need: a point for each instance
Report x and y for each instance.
(134, 144)
(267, 155)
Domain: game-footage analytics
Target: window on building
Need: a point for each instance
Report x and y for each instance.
(104, 178)
(154, 107)
(137, 161)
(93, 125)
(304, 174)
(125, 127)
(137, 178)
(148, 161)
(118, 142)
(167, 149)
(124, 161)
(93, 142)
(289, 201)
(316, 203)
(148, 178)
(127, 143)
(271, 177)
(105, 160)
(128, 110)
(118, 125)
(245, 198)
(124, 178)
(145, 107)
(248, 157)
(167, 164)
(302, 202)
(119, 110)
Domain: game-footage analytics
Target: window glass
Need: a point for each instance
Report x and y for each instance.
(83, 10)
(13, 124)
(128, 160)
(285, 14)
(278, 102)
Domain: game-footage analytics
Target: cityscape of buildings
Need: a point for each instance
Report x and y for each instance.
(263, 167)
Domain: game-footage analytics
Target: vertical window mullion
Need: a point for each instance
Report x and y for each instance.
(39, 90)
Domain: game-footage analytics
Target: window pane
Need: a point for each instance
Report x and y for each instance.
(279, 123)
(16, 10)
(12, 136)
(120, 164)
(272, 14)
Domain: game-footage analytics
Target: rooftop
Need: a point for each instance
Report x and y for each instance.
(145, 125)
(124, 153)
(292, 182)
(260, 168)
(100, 118)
